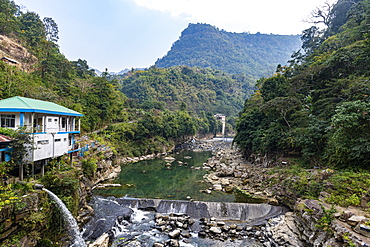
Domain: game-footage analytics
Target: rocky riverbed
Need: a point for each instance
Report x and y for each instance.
(310, 222)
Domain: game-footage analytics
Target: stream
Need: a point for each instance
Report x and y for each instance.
(178, 206)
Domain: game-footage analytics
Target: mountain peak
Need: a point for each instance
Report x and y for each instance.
(204, 45)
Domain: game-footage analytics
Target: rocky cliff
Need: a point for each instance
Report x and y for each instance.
(15, 54)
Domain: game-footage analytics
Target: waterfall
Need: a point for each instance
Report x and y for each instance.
(68, 218)
(253, 213)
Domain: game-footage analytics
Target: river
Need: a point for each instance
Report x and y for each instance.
(177, 189)
(181, 179)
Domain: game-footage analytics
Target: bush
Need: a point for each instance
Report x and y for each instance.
(89, 167)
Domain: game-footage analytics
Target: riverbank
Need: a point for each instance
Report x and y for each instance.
(312, 221)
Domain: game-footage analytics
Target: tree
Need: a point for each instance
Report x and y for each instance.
(349, 144)
(311, 39)
(273, 87)
(322, 14)
(282, 105)
(8, 13)
(51, 29)
(20, 147)
(32, 29)
(82, 69)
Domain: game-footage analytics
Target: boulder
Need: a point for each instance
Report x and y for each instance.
(355, 219)
(173, 242)
(215, 230)
(363, 230)
(102, 241)
(217, 187)
(158, 245)
(174, 234)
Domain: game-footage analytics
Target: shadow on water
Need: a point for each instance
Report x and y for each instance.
(154, 179)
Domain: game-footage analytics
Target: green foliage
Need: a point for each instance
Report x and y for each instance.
(31, 29)
(326, 219)
(8, 21)
(349, 142)
(65, 185)
(318, 108)
(7, 196)
(151, 132)
(20, 145)
(348, 187)
(203, 45)
(183, 88)
(89, 167)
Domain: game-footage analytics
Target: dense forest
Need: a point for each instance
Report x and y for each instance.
(318, 106)
(254, 55)
(200, 90)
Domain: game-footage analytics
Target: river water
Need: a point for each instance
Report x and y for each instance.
(165, 181)
(153, 179)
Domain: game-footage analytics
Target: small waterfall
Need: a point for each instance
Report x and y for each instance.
(67, 216)
(253, 213)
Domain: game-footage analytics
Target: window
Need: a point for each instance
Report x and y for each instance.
(43, 142)
(57, 140)
(49, 120)
(8, 120)
(64, 122)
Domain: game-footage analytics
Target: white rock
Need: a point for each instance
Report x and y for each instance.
(102, 241)
(225, 181)
(217, 187)
(174, 234)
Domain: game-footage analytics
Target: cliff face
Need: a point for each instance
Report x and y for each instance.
(15, 54)
(31, 219)
(108, 167)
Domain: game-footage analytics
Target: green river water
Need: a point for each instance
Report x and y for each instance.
(152, 179)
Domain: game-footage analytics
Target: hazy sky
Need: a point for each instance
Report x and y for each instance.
(119, 34)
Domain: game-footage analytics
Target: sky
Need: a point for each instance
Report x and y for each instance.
(119, 34)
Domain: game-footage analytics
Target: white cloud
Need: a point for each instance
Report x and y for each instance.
(267, 16)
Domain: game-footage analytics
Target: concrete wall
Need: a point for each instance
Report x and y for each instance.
(50, 146)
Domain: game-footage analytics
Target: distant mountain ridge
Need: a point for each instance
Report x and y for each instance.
(255, 55)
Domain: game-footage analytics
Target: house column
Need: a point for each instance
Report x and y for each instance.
(43, 124)
(33, 169)
(70, 159)
(79, 124)
(43, 167)
(33, 122)
(21, 119)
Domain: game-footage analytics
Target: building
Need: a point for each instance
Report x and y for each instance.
(52, 127)
(222, 119)
(4, 149)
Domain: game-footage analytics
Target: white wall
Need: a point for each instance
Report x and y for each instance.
(50, 146)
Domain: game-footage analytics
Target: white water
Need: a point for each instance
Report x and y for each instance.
(72, 224)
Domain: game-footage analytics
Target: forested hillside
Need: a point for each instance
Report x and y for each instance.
(317, 108)
(254, 55)
(199, 90)
(34, 67)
